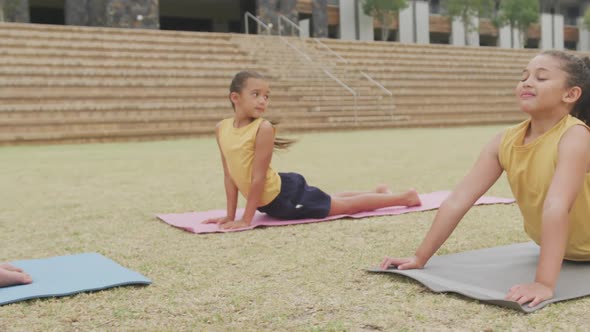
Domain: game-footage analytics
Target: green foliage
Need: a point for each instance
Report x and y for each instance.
(587, 18)
(469, 8)
(466, 9)
(518, 13)
(378, 7)
(9, 10)
(383, 11)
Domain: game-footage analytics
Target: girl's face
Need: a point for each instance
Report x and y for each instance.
(253, 99)
(543, 86)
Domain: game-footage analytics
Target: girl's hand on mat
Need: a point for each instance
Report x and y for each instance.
(235, 224)
(218, 221)
(402, 263)
(534, 293)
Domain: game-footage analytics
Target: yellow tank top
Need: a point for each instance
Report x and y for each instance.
(237, 146)
(530, 168)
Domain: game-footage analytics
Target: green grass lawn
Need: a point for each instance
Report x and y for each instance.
(66, 199)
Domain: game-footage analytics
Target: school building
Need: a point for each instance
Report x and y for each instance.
(560, 25)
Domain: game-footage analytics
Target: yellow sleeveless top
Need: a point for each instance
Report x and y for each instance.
(237, 146)
(530, 168)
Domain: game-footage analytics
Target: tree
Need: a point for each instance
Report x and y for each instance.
(384, 11)
(466, 9)
(518, 14)
(14, 10)
(587, 18)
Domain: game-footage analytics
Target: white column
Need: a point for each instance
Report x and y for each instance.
(457, 32)
(406, 25)
(304, 26)
(473, 36)
(505, 37)
(558, 32)
(584, 36)
(517, 37)
(347, 20)
(546, 31)
(422, 22)
(365, 24)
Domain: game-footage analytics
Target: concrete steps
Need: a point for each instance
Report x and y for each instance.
(193, 129)
(77, 84)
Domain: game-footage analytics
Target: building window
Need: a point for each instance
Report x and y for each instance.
(434, 6)
(570, 45)
(571, 15)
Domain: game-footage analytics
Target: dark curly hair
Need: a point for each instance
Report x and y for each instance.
(578, 72)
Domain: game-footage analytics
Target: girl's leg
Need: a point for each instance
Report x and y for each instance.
(10, 277)
(380, 189)
(371, 201)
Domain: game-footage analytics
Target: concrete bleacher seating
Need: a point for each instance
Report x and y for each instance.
(80, 84)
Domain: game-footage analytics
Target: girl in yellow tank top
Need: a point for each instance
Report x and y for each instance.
(547, 162)
(246, 143)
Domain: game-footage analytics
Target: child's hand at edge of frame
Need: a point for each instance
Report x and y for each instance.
(534, 293)
(218, 221)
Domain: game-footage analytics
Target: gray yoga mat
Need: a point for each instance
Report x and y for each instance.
(488, 274)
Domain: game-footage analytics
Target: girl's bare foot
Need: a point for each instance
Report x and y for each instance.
(382, 189)
(412, 198)
(10, 278)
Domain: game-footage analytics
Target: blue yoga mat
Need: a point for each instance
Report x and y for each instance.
(67, 275)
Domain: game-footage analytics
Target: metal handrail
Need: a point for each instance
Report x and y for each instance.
(303, 54)
(257, 20)
(367, 76)
(354, 93)
(330, 50)
(389, 93)
(293, 25)
(296, 49)
(377, 83)
(328, 73)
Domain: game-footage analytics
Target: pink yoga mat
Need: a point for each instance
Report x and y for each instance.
(191, 221)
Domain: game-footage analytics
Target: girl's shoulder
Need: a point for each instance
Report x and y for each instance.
(573, 121)
(573, 129)
(223, 123)
(576, 131)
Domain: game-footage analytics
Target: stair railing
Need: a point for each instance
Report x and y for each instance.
(259, 23)
(339, 59)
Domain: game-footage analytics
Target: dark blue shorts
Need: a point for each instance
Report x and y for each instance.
(297, 200)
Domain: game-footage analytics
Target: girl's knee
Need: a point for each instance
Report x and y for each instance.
(339, 205)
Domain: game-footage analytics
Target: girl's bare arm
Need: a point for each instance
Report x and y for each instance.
(262, 156)
(231, 190)
(572, 165)
(480, 178)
